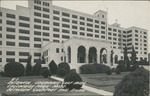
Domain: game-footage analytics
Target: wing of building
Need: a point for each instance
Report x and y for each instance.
(64, 35)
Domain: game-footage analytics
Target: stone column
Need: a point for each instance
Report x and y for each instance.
(87, 55)
(108, 56)
(74, 54)
(98, 57)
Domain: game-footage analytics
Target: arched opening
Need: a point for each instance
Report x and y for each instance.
(103, 55)
(81, 54)
(92, 55)
(116, 59)
(69, 54)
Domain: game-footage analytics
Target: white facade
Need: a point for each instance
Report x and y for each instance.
(25, 31)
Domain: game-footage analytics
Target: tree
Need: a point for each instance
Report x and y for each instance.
(28, 66)
(126, 59)
(43, 60)
(53, 67)
(133, 56)
(111, 57)
(37, 68)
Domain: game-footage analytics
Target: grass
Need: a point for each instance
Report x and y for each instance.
(33, 79)
(103, 81)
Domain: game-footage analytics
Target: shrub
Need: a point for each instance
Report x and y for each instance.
(28, 66)
(53, 67)
(122, 67)
(73, 77)
(121, 62)
(109, 72)
(14, 69)
(134, 67)
(2, 73)
(113, 69)
(61, 72)
(36, 69)
(134, 84)
(45, 72)
(65, 66)
(93, 68)
(117, 71)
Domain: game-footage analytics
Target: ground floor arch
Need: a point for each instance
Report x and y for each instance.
(103, 55)
(81, 56)
(92, 57)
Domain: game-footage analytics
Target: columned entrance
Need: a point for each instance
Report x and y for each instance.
(69, 54)
(92, 55)
(103, 55)
(81, 56)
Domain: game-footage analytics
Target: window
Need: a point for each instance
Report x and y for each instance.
(109, 38)
(10, 52)
(109, 33)
(103, 32)
(65, 20)
(24, 44)
(45, 4)
(56, 29)
(10, 59)
(37, 45)
(0, 59)
(56, 35)
(0, 20)
(65, 36)
(9, 43)
(37, 33)
(57, 50)
(102, 27)
(24, 38)
(0, 52)
(97, 36)
(37, 26)
(37, 20)
(144, 32)
(90, 30)
(37, 8)
(11, 15)
(23, 53)
(96, 21)
(109, 29)
(0, 42)
(37, 54)
(61, 58)
(74, 16)
(10, 36)
(129, 35)
(89, 35)
(114, 34)
(37, 39)
(102, 22)
(45, 10)
(96, 31)
(102, 16)
(82, 18)
(24, 31)
(45, 39)
(45, 34)
(45, 16)
(82, 28)
(56, 12)
(24, 18)
(75, 22)
(114, 38)
(0, 35)
(103, 37)
(74, 27)
(10, 29)
(55, 24)
(24, 25)
(81, 33)
(96, 26)
(65, 31)
(22, 60)
(0, 13)
(74, 32)
(66, 25)
(55, 18)
(45, 22)
(56, 41)
(65, 14)
(82, 23)
(0, 28)
(45, 28)
(90, 25)
(129, 31)
(37, 14)
(89, 19)
(114, 30)
(10, 22)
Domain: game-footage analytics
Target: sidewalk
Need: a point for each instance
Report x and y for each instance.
(88, 88)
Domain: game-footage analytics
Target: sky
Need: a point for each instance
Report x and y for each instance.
(128, 13)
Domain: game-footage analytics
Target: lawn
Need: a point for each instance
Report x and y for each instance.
(103, 81)
(33, 79)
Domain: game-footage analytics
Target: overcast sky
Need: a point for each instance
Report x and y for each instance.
(128, 13)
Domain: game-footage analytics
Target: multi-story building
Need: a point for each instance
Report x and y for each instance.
(62, 34)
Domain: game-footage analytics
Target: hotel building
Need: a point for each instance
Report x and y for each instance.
(61, 34)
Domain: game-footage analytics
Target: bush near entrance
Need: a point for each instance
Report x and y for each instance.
(14, 69)
(134, 84)
(122, 67)
(94, 68)
(53, 67)
(45, 72)
(65, 66)
(36, 69)
(61, 72)
(73, 77)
